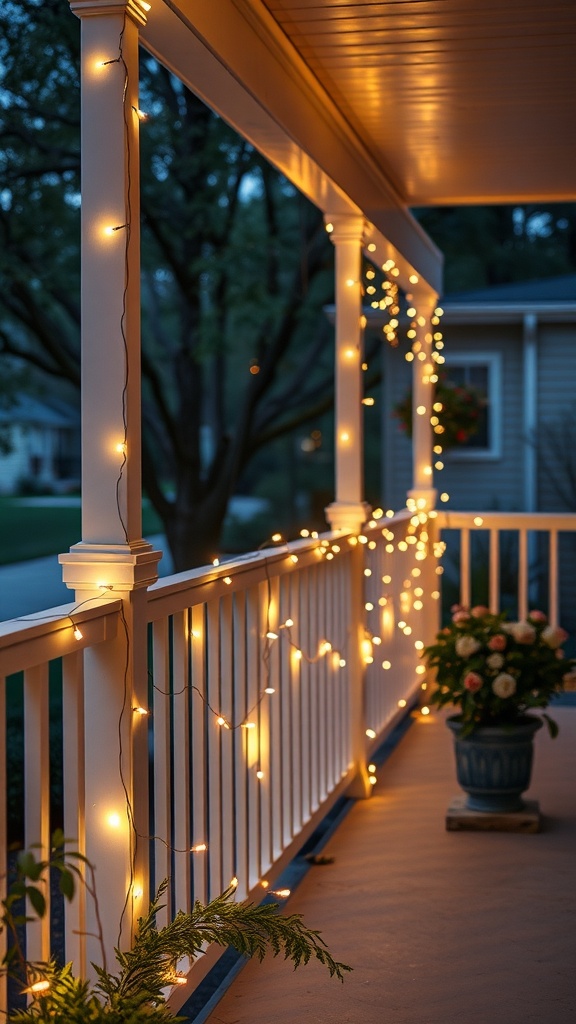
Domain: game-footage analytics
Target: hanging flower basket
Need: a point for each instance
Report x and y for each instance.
(456, 413)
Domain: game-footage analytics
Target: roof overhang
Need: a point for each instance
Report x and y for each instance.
(237, 59)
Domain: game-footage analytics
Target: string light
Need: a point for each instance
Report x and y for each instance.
(39, 986)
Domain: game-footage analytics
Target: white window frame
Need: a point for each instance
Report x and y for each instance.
(493, 360)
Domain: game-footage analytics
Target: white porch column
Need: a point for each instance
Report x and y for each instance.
(349, 510)
(423, 368)
(112, 560)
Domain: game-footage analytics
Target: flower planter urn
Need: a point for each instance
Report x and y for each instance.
(494, 763)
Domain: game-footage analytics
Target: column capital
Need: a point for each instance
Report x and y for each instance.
(134, 9)
(347, 227)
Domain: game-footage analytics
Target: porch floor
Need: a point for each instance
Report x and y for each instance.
(440, 927)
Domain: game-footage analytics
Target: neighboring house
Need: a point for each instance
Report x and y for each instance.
(44, 440)
(518, 342)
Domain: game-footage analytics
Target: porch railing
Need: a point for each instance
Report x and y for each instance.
(262, 674)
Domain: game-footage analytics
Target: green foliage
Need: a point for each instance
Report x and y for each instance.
(135, 994)
(29, 883)
(495, 671)
(491, 245)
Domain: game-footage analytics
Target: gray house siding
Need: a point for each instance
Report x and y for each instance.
(472, 480)
(555, 441)
(528, 330)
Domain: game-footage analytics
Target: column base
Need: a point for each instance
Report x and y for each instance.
(344, 515)
(424, 499)
(118, 567)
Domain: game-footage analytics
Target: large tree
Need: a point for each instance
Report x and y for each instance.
(236, 267)
(490, 245)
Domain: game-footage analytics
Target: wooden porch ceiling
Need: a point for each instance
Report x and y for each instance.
(375, 107)
(459, 102)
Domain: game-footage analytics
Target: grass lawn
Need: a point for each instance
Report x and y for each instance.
(32, 531)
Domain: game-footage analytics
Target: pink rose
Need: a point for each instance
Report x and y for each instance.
(537, 616)
(479, 611)
(554, 636)
(497, 642)
(461, 616)
(457, 608)
(472, 681)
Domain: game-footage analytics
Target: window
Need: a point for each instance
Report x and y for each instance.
(479, 370)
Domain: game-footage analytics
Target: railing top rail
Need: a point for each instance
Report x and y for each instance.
(200, 584)
(545, 521)
(33, 639)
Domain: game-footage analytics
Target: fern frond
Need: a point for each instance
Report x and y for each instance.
(252, 929)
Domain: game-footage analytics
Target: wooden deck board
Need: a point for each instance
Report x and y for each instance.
(440, 927)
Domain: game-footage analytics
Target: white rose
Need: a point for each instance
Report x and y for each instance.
(504, 685)
(554, 636)
(467, 645)
(523, 632)
(495, 661)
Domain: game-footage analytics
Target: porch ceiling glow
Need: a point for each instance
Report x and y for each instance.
(374, 107)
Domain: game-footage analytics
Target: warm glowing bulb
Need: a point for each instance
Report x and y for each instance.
(271, 635)
(368, 401)
(227, 580)
(269, 689)
(40, 986)
(137, 892)
(371, 734)
(199, 848)
(372, 780)
(425, 710)
(294, 559)
(78, 634)
(276, 537)
(233, 882)
(249, 725)
(259, 774)
(138, 710)
(282, 893)
(344, 436)
(114, 820)
(372, 768)
(298, 655)
(402, 703)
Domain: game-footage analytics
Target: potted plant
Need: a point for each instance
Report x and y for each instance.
(496, 673)
(136, 991)
(456, 412)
